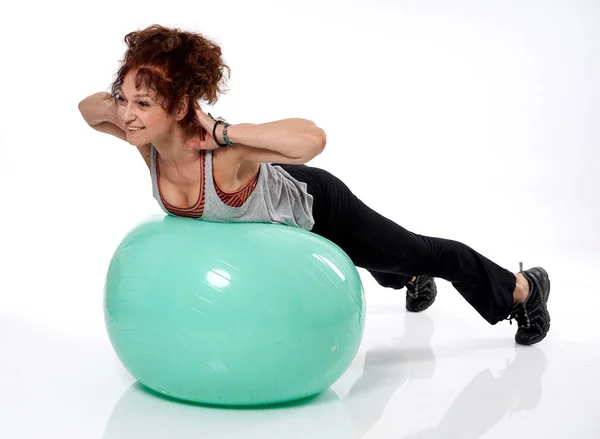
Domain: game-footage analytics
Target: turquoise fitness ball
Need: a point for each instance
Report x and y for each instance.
(232, 313)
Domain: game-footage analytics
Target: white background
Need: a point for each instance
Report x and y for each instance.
(477, 121)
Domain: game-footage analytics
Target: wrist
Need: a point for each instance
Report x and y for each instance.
(110, 112)
(233, 132)
(218, 131)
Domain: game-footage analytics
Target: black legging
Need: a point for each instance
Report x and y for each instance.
(393, 255)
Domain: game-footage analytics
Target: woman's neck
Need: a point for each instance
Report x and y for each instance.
(174, 149)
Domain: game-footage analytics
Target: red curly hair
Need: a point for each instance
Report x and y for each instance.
(174, 63)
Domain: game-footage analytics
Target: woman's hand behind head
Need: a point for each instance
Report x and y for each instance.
(203, 141)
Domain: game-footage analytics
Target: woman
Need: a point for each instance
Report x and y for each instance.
(206, 168)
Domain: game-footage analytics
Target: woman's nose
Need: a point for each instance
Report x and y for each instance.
(128, 114)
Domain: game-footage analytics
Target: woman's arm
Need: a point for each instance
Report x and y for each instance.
(96, 109)
(263, 155)
(294, 138)
(101, 115)
(282, 141)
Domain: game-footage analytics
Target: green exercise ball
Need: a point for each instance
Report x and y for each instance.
(232, 313)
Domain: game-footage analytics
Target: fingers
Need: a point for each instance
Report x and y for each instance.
(203, 118)
(197, 144)
(200, 141)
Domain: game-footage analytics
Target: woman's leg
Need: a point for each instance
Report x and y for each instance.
(376, 243)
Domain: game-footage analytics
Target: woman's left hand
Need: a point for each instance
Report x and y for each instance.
(205, 140)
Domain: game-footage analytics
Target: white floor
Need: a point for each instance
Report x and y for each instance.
(444, 373)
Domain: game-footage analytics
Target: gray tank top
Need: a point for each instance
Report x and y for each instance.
(277, 198)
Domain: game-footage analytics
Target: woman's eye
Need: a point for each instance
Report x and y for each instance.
(142, 103)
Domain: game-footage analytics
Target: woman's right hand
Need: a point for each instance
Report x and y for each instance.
(100, 107)
(111, 114)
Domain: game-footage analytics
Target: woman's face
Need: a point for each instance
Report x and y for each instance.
(138, 108)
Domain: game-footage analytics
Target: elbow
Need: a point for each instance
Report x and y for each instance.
(318, 140)
(314, 135)
(313, 140)
(321, 139)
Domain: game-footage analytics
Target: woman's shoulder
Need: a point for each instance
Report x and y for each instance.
(145, 151)
(231, 173)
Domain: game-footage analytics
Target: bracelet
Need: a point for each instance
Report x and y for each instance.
(225, 137)
(218, 122)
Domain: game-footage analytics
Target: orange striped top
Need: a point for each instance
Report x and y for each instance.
(232, 199)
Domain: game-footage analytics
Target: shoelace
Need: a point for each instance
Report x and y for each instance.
(519, 312)
(414, 289)
(411, 289)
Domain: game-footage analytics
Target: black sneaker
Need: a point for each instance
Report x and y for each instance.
(532, 314)
(421, 294)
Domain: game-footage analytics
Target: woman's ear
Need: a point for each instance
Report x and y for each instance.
(182, 108)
